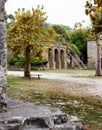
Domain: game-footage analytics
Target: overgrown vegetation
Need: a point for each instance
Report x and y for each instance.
(60, 94)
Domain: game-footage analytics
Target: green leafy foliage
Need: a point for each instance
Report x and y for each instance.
(97, 22)
(19, 61)
(9, 18)
(73, 49)
(28, 33)
(63, 37)
(79, 39)
(62, 33)
(37, 61)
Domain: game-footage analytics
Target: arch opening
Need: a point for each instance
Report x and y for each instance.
(56, 54)
(62, 59)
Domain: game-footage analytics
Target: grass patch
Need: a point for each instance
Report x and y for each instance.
(61, 94)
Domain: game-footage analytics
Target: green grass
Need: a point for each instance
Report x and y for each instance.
(53, 93)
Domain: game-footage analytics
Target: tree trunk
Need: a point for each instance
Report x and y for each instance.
(27, 63)
(98, 62)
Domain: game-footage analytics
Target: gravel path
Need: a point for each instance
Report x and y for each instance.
(94, 85)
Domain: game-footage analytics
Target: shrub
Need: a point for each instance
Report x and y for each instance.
(20, 60)
(17, 61)
(37, 61)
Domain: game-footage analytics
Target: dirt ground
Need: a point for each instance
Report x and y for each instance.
(88, 85)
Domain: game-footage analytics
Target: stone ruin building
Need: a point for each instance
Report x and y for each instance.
(56, 56)
(59, 57)
(92, 54)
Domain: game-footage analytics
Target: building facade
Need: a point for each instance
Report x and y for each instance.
(92, 54)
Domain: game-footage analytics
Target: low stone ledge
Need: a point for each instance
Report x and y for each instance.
(28, 116)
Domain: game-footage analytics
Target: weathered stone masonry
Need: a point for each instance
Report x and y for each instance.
(3, 59)
(56, 56)
(92, 54)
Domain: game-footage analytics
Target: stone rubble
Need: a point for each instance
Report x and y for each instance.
(28, 116)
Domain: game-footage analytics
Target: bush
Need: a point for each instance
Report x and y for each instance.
(20, 61)
(37, 61)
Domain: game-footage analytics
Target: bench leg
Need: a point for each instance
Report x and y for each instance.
(38, 76)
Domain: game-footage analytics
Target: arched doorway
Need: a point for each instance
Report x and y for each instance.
(62, 59)
(56, 54)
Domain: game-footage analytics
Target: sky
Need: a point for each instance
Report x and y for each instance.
(64, 12)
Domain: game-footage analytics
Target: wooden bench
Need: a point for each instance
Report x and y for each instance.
(38, 75)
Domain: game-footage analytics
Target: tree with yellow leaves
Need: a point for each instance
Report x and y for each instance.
(28, 33)
(94, 10)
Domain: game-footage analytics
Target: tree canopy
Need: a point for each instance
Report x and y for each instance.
(79, 39)
(28, 33)
(62, 35)
(94, 10)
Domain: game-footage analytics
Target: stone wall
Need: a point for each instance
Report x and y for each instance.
(3, 60)
(91, 54)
